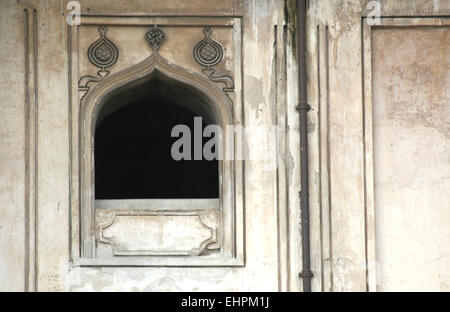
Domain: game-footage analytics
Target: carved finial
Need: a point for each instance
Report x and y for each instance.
(103, 30)
(207, 31)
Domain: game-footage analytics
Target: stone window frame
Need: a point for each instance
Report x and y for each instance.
(231, 172)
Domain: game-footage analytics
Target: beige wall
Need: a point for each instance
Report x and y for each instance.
(411, 107)
(12, 149)
(39, 224)
(353, 219)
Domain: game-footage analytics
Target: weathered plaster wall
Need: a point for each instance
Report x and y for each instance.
(36, 156)
(12, 148)
(43, 262)
(335, 96)
(343, 215)
(411, 103)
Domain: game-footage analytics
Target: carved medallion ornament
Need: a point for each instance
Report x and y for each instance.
(103, 53)
(155, 37)
(208, 52)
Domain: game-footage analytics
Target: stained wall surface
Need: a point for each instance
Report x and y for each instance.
(411, 107)
(378, 87)
(12, 149)
(43, 59)
(370, 229)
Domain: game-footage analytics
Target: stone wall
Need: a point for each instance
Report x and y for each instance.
(358, 220)
(368, 212)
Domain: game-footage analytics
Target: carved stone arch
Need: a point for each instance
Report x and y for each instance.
(139, 73)
(91, 105)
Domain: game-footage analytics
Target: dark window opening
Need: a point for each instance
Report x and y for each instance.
(133, 146)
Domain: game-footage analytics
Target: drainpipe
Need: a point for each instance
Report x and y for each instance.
(303, 108)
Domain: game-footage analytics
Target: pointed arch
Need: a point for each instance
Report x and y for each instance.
(92, 103)
(214, 99)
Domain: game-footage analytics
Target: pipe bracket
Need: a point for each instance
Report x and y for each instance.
(306, 274)
(303, 106)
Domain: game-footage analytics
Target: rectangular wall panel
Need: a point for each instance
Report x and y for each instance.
(411, 129)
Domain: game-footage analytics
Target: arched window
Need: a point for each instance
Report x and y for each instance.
(139, 205)
(133, 144)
